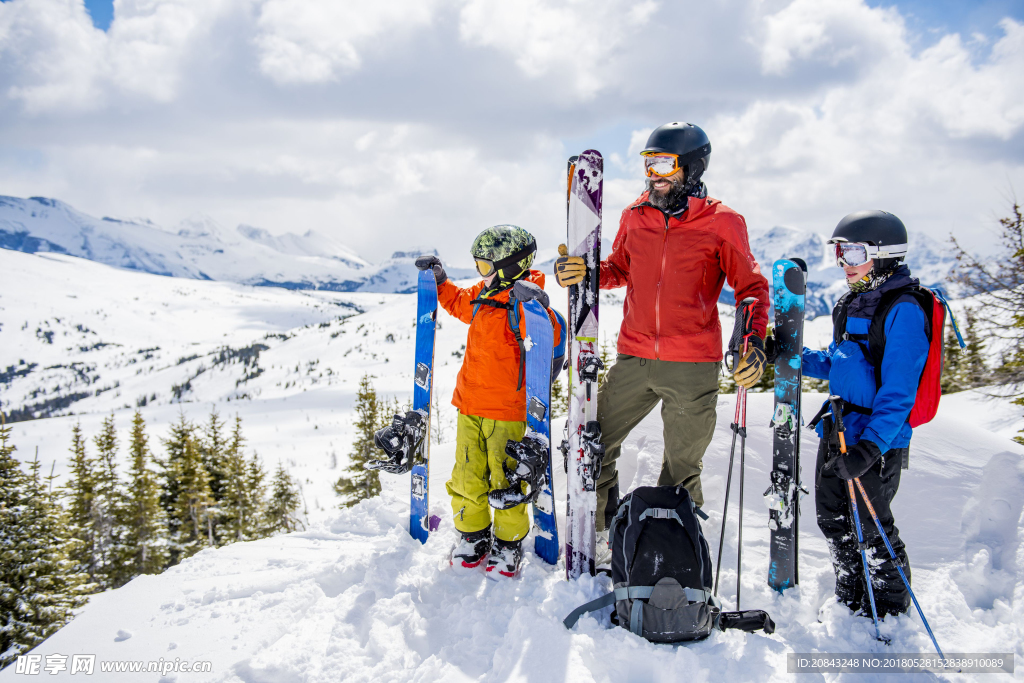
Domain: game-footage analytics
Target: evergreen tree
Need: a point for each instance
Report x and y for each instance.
(191, 508)
(963, 369)
(1001, 280)
(976, 372)
(370, 414)
(242, 504)
(39, 586)
(144, 520)
(559, 399)
(175, 445)
(213, 446)
(284, 502)
(108, 504)
(80, 492)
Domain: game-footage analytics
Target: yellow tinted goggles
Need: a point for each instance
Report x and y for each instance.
(484, 267)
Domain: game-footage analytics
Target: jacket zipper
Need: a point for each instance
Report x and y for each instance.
(657, 294)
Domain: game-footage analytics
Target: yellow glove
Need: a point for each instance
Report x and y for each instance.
(569, 270)
(750, 368)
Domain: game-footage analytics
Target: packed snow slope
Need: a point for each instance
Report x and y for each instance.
(354, 597)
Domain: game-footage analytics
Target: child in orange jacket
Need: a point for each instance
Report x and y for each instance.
(490, 394)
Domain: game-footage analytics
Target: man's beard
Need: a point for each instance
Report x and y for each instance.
(675, 198)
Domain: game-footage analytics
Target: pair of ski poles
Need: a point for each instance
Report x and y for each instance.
(742, 329)
(837, 417)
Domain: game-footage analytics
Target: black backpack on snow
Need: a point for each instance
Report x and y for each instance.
(661, 572)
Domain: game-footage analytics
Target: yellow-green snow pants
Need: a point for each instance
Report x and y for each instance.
(479, 453)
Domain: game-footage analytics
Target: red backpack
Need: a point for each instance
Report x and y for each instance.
(934, 305)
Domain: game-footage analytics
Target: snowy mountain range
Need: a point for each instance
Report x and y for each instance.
(200, 248)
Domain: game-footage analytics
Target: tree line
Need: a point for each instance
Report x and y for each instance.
(102, 527)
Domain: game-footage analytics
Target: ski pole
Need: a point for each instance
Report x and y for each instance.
(899, 564)
(743, 452)
(837, 420)
(728, 486)
(740, 330)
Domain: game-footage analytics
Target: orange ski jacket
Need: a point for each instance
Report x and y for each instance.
(486, 386)
(673, 270)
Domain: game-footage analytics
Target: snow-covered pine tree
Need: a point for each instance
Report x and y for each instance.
(39, 585)
(284, 503)
(194, 528)
(242, 505)
(80, 496)
(213, 446)
(358, 482)
(108, 514)
(182, 432)
(144, 520)
(559, 399)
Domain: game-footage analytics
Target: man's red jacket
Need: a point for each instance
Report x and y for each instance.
(673, 270)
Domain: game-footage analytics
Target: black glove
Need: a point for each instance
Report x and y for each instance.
(524, 290)
(432, 262)
(771, 350)
(859, 458)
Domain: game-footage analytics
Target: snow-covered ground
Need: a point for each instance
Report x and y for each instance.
(355, 598)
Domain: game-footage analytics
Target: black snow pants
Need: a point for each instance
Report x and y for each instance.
(832, 504)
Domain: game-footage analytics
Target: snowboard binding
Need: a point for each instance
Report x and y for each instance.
(531, 459)
(399, 441)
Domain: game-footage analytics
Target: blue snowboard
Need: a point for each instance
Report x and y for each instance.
(789, 278)
(538, 422)
(426, 317)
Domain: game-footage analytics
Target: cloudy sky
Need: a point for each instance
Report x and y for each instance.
(417, 123)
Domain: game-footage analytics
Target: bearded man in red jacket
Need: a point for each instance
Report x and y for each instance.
(674, 250)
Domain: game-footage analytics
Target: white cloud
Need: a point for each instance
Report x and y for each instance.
(313, 41)
(388, 124)
(50, 55)
(577, 40)
(831, 32)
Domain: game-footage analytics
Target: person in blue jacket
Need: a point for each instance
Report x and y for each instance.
(870, 246)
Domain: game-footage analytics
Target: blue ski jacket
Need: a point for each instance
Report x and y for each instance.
(852, 377)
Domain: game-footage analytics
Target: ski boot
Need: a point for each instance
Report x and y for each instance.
(471, 550)
(506, 559)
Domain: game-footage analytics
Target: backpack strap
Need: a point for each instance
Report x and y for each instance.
(513, 324)
(875, 351)
(635, 593)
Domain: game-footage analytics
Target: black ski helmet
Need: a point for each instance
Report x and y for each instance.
(687, 141)
(878, 228)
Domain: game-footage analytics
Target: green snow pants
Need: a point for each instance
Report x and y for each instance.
(479, 453)
(688, 393)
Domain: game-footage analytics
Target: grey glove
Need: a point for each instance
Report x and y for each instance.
(433, 263)
(524, 290)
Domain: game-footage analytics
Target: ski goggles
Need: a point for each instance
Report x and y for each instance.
(660, 164)
(858, 253)
(486, 266)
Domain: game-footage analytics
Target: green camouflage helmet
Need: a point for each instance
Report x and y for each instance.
(508, 248)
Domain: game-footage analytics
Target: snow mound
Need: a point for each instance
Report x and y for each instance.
(355, 598)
